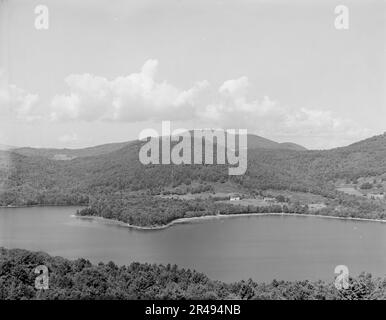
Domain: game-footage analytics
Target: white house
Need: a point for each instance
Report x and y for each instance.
(376, 196)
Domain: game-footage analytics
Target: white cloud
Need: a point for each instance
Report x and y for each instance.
(140, 97)
(237, 88)
(269, 118)
(16, 102)
(136, 97)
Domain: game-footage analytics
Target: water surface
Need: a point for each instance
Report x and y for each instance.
(259, 247)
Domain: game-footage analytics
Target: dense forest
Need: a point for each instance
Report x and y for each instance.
(32, 177)
(104, 178)
(79, 279)
(153, 211)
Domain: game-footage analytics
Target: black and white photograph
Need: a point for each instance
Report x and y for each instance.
(192, 150)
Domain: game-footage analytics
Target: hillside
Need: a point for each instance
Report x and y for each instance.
(79, 279)
(254, 142)
(4, 147)
(31, 179)
(69, 154)
(257, 142)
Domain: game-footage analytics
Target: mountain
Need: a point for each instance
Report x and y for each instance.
(376, 143)
(28, 177)
(254, 142)
(4, 147)
(257, 142)
(68, 154)
(292, 146)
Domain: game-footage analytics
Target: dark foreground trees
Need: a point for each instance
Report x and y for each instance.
(79, 279)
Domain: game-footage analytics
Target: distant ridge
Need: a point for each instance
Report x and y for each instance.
(5, 147)
(66, 153)
(54, 176)
(254, 142)
(257, 142)
(373, 143)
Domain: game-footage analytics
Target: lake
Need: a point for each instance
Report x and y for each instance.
(230, 249)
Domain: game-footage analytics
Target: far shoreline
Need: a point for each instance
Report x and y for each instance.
(43, 205)
(190, 219)
(219, 216)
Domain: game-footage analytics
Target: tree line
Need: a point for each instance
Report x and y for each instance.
(80, 279)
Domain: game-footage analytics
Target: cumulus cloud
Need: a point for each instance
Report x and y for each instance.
(140, 97)
(237, 88)
(136, 97)
(16, 102)
(268, 117)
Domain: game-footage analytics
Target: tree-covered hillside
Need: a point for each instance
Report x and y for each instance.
(79, 279)
(36, 179)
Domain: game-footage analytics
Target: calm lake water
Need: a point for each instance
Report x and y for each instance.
(261, 248)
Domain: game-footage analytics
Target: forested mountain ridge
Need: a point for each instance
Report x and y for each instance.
(254, 142)
(257, 142)
(37, 179)
(50, 153)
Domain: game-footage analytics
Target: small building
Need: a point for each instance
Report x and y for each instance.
(375, 196)
(316, 206)
(233, 198)
(269, 199)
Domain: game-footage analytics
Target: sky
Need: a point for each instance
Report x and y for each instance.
(104, 71)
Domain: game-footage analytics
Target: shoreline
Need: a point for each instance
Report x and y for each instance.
(219, 216)
(192, 219)
(43, 205)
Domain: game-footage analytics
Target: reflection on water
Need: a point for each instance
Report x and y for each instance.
(261, 248)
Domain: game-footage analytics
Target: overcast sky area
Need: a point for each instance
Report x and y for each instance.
(105, 70)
